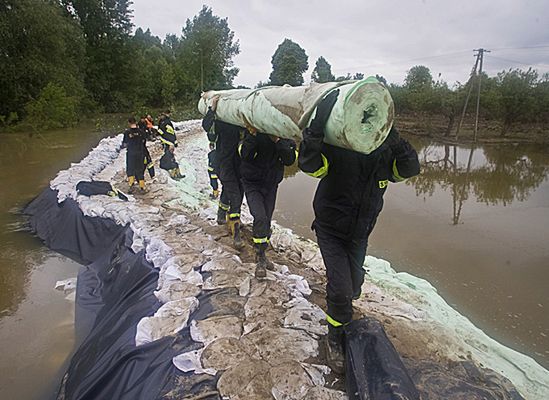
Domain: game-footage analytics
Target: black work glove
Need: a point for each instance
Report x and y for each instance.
(323, 111)
(397, 145)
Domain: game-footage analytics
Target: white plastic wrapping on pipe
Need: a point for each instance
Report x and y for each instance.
(360, 120)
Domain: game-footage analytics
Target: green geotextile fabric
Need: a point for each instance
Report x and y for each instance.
(360, 120)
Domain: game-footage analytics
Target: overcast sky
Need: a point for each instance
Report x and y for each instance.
(386, 37)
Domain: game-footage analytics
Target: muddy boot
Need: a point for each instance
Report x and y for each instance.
(221, 216)
(234, 228)
(260, 261)
(237, 239)
(335, 349)
(260, 256)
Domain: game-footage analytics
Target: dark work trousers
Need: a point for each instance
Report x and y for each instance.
(148, 162)
(213, 179)
(229, 175)
(135, 165)
(344, 262)
(224, 200)
(261, 202)
(233, 195)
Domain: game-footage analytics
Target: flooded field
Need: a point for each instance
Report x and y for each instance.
(475, 224)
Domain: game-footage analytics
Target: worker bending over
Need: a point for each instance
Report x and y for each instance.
(347, 202)
(227, 138)
(263, 160)
(135, 155)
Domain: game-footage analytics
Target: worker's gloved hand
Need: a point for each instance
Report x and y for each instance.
(323, 111)
(395, 142)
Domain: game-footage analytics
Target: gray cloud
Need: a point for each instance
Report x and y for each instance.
(386, 37)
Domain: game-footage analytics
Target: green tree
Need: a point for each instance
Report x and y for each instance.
(323, 71)
(53, 108)
(289, 64)
(342, 78)
(205, 53)
(38, 45)
(517, 95)
(380, 78)
(541, 94)
(110, 66)
(418, 77)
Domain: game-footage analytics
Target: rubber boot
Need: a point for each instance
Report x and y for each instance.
(131, 181)
(260, 261)
(142, 188)
(335, 349)
(234, 227)
(260, 256)
(221, 216)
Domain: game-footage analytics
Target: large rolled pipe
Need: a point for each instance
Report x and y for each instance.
(360, 120)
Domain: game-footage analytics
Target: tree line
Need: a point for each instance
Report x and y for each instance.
(512, 97)
(64, 59)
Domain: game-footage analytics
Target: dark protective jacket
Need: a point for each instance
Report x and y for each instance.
(349, 196)
(166, 132)
(263, 160)
(227, 138)
(133, 140)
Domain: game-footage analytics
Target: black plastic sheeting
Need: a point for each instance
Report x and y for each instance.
(114, 291)
(374, 370)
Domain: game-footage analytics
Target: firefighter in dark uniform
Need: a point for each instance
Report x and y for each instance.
(227, 138)
(347, 202)
(263, 160)
(142, 124)
(166, 131)
(213, 170)
(135, 155)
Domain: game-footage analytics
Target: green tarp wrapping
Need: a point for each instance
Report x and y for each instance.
(360, 120)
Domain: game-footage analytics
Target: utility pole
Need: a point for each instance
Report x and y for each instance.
(479, 60)
(480, 55)
(471, 79)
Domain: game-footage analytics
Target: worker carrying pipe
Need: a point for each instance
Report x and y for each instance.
(360, 120)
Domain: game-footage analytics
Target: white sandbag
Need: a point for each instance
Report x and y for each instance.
(360, 120)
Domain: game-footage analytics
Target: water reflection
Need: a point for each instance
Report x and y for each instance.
(493, 174)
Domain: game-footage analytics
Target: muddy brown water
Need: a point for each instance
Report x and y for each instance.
(475, 224)
(36, 321)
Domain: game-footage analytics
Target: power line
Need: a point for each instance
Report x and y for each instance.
(403, 61)
(452, 54)
(543, 46)
(519, 62)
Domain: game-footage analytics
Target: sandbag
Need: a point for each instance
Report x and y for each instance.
(374, 370)
(360, 120)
